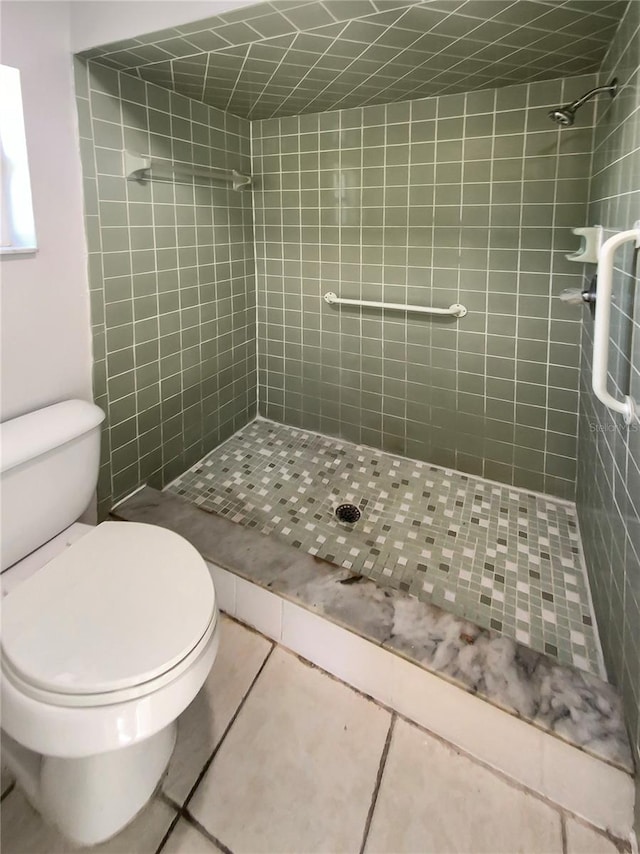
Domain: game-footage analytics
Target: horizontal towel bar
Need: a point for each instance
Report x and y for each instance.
(455, 310)
(142, 169)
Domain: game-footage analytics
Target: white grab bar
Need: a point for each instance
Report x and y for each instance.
(455, 310)
(626, 407)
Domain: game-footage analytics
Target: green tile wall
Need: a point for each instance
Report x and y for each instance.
(462, 198)
(171, 272)
(608, 494)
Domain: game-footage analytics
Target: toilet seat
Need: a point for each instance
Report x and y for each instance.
(111, 697)
(117, 615)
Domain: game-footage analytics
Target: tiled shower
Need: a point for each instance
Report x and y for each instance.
(378, 176)
(440, 201)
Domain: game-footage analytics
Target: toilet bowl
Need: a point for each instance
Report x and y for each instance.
(102, 649)
(108, 633)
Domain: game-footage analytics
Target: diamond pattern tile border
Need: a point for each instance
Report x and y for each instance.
(290, 57)
(506, 559)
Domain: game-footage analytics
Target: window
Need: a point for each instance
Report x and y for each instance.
(17, 228)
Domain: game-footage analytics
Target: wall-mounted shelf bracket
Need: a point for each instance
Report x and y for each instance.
(591, 241)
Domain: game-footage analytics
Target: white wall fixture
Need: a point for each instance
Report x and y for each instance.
(139, 168)
(627, 407)
(591, 240)
(455, 310)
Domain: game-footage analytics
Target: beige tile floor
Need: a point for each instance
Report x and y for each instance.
(276, 756)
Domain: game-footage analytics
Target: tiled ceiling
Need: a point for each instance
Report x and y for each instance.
(288, 57)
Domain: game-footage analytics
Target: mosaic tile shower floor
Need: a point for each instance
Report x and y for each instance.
(503, 558)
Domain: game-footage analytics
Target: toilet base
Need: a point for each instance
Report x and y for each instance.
(91, 798)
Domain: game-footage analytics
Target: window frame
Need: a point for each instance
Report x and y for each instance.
(17, 223)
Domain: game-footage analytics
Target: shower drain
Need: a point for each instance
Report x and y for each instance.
(347, 513)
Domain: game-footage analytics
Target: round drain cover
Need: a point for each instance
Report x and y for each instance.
(347, 513)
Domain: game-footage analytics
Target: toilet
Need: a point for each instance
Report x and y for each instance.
(108, 632)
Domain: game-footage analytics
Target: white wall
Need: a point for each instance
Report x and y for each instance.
(98, 22)
(44, 298)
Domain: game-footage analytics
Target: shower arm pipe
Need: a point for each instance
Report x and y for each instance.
(455, 310)
(599, 90)
(627, 407)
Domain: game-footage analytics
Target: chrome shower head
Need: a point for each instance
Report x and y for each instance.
(565, 116)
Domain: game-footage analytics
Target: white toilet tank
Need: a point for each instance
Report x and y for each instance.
(49, 462)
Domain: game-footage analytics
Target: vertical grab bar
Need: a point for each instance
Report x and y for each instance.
(626, 407)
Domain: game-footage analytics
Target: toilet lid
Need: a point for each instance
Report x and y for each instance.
(121, 606)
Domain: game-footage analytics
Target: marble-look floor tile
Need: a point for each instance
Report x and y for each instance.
(588, 788)
(186, 839)
(25, 832)
(583, 840)
(200, 728)
(433, 799)
(297, 770)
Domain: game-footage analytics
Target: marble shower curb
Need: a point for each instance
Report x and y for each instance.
(576, 707)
